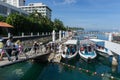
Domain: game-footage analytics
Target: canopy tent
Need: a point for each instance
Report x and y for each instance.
(6, 25)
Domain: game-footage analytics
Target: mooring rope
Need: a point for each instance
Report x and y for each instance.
(88, 71)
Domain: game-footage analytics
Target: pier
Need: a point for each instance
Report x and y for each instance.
(41, 55)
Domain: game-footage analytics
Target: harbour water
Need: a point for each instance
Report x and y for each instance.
(53, 71)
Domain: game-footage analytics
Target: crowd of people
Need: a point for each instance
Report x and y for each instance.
(10, 48)
(87, 48)
(52, 47)
(69, 49)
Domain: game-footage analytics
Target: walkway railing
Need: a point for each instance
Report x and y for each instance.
(26, 54)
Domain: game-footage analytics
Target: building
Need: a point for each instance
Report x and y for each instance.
(6, 9)
(16, 3)
(40, 7)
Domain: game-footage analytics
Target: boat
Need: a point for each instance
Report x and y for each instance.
(104, 52)
(100, 48)
(70, 49)
(87, 51)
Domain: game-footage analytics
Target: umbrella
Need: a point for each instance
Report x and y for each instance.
(6, 25)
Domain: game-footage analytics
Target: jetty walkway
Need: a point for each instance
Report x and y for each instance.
(31, 55)
(23, 56)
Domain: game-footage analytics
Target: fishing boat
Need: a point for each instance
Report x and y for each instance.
(87, 51)
(70, 49)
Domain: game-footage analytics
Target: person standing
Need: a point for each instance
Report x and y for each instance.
(9, 46)
(15, 50)
(35, 47)
(1, 49)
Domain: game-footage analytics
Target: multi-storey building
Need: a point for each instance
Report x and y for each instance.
(39, 7)
(16, 3)
(6, 9)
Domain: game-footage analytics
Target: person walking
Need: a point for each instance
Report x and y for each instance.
(35, 47)
(15, 50)
(9, 47)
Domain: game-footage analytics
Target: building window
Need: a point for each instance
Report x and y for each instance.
(3, 9)
(14, 11)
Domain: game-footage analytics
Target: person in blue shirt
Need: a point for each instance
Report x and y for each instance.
(72, 50)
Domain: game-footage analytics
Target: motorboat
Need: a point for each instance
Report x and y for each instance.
(87, 50)
(69, 49)
(100, 48)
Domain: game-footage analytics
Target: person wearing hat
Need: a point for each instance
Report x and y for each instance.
(1, 49)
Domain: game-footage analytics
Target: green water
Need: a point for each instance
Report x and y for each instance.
(52, 71)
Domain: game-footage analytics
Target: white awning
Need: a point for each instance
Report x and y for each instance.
(97, 40)
(71, 42)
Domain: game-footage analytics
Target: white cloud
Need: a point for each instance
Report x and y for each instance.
(64, 2)
(69, 1)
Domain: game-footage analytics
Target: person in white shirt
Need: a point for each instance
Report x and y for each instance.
(9, 46)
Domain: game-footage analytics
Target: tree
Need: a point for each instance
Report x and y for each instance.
(2, 18)
(58, 25)
(18, 21)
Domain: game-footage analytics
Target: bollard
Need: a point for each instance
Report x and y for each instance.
(9, 34)
(22, 34)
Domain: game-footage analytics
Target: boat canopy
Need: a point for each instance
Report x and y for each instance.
(71, 42)
(86, 42)
(98, 42)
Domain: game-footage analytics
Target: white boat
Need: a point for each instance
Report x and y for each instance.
(87, 51)
(70, 49)
(100, 49)
(104, 52)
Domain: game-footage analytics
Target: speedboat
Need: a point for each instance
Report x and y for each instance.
(104, 52)
(100, 48)
(70, 49)
(87, 51)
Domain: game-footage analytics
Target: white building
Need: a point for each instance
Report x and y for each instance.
(16, 3)
(40, 7)
(6, 9)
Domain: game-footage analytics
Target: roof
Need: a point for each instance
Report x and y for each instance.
(97, 40)
(3, 24)
(86, 41)
(71, 42)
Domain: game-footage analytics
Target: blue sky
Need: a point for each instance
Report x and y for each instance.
(89, 14)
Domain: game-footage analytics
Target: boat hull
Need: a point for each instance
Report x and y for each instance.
(66, 56)
(87, 58)
(101, 53)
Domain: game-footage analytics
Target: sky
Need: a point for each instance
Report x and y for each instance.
(89, 14)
